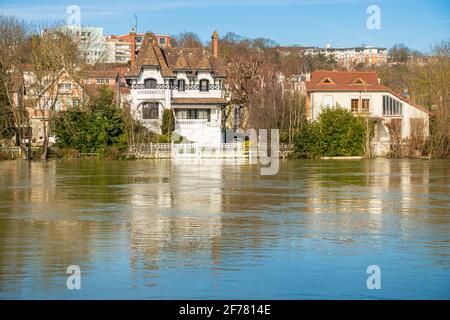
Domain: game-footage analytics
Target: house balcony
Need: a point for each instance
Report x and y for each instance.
(143, 94)
(196, 123)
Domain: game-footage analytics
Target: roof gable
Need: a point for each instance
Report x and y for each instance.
(358, 81)
(169, 60)
(326, 81)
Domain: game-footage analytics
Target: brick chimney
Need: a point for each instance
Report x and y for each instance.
(215, 44)
(132, 38)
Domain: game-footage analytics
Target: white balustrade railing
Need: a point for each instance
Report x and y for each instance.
(232, 150)
(150, 93)
(191, 122)
(197, 123)
(218, 151)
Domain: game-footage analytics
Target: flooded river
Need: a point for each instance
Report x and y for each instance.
(163, 230)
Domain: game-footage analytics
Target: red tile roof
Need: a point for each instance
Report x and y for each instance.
(107, 70)
(344, 81)
(351, 81)
(171, 59)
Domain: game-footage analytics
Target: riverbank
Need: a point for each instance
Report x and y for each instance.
(166, 151)
(151, 151)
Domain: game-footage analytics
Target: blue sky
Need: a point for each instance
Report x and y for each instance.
(417, 23)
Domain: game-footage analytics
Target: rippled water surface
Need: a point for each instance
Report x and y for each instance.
(164, 230)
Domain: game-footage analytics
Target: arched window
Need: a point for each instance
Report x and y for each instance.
(150, 83)
(150, 110)
(204, 85)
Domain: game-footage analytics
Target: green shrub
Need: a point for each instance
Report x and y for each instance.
(162, 139)
(168, 123)
(305, 141)
(94, 129)
(336, 132)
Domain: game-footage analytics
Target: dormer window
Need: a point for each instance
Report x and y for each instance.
(326, 80)
(358, 81)
(204, 85)
(150, 83)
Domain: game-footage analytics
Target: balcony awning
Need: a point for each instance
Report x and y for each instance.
(214, 101)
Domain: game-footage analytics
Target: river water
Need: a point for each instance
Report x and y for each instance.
(163, 230)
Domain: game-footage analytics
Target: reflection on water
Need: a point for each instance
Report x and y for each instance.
(159, 230)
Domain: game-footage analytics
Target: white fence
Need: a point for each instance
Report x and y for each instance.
(235, 150)
(150, 150)
(215, 151)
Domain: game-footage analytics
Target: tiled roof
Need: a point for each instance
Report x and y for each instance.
(107, 70)
(176, 59)
(351, 81)
(199, 101)
(103, 74)
(198, 59)
(344, 81)
(171, 59)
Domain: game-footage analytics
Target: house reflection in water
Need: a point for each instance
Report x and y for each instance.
(178, 216)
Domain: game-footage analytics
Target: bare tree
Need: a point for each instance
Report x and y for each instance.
(187, 39)
(13, 56)
(433, 84)
(274, 104)
(266, 100)
(399, 53)
(32, 61)
(417, 140)
(243, 72)
(53, 56)
(395, 135)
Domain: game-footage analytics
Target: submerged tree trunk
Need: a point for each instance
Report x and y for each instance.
(45, 143)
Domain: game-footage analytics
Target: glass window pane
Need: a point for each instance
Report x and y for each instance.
(181, 85)
(150, 110)
(204, 85)
(150, 84)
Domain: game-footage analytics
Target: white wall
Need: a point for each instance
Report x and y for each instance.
(205, 134)
(343, 99)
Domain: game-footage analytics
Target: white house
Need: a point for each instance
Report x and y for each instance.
(362, 94)
(189, 82)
